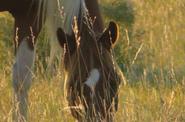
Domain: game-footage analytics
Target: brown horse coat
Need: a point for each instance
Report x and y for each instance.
(93, 77)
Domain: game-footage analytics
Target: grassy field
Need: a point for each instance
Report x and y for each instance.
(150, 51)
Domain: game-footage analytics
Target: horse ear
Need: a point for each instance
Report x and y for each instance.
(110, 35)
(61, 37)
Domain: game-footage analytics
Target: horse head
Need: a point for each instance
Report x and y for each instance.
(93, 76)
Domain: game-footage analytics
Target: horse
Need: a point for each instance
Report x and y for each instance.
(30, 16)
(92, 76)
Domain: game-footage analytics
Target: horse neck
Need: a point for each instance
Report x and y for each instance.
(79, 9)
(94, 12)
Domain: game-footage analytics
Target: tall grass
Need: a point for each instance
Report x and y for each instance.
(151, 53)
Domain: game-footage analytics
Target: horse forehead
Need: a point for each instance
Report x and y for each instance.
(89, 46)
(91, 56)
(88, 38)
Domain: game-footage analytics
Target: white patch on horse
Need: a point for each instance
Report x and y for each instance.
(22, 77)
(93, 79)
(22, 67)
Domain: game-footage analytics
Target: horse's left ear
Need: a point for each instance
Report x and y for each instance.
(110, 35)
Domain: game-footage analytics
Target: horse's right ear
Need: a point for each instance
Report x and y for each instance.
(61, 35)
(110, 35)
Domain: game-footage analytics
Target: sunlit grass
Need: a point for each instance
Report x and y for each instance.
(156, 88)
(140, 103)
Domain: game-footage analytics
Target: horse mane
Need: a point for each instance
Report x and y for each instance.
(49, 11)
(61, 16)
(73, 9)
